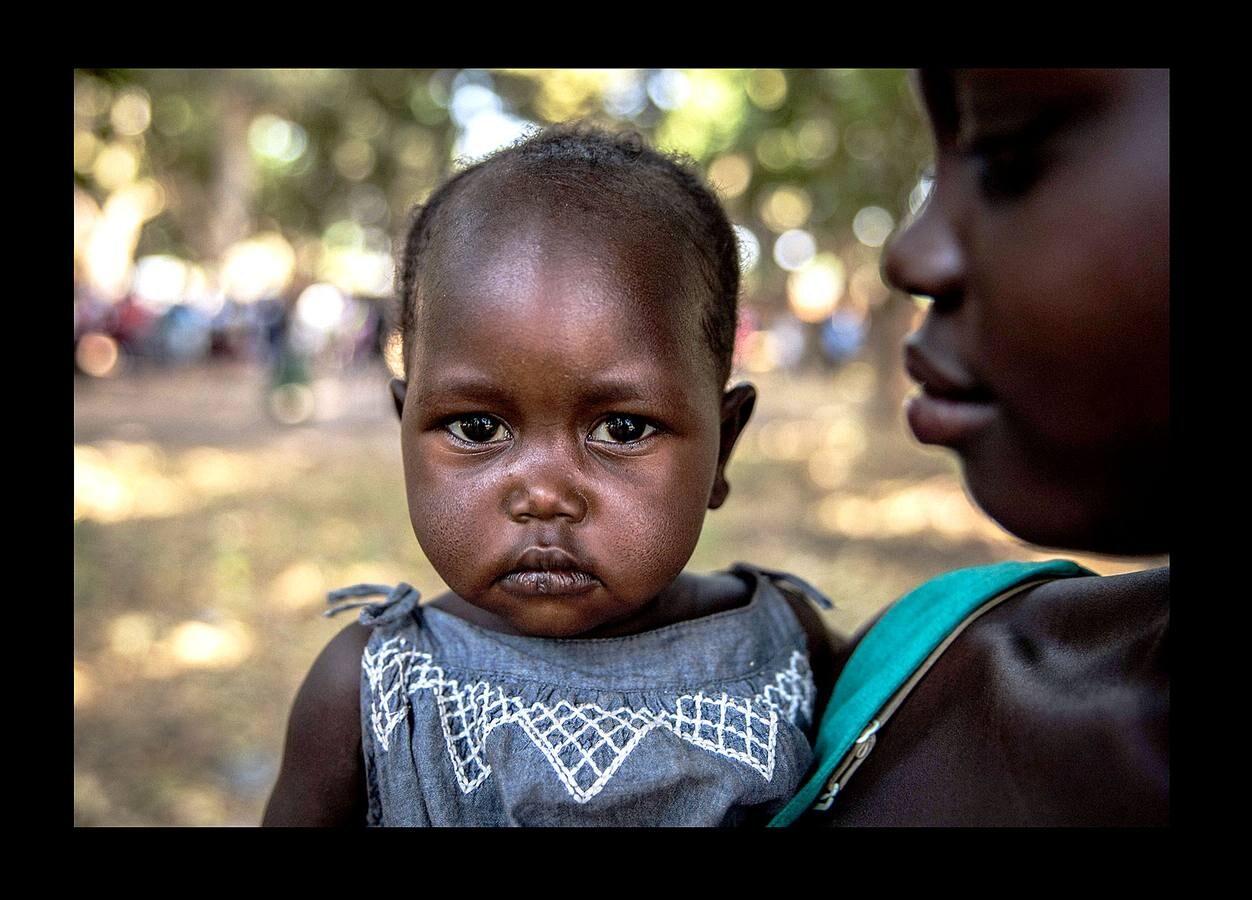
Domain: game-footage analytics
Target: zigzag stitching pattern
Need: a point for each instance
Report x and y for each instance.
(480, 708)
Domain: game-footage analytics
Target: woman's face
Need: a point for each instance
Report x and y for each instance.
(1044, 358)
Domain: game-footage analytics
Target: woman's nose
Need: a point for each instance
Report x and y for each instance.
(925, 257)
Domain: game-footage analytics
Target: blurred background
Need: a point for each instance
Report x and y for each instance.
(236, 454)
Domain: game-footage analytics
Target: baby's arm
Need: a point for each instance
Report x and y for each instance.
(322, 780)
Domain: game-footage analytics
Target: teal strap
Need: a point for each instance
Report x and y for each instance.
(895, 647)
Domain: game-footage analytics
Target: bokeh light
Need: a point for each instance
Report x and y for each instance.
(814, 290)
(300, 586)
(292, 404)
(173, 115)
(626, 94)
(204, 645)
(864, 141)
(320, 306)
(354, 158)
(669, 88)
(160, 281)
(259, 267)
(115, 166)
(86, 146)
(866, 286)
(84, 686)
(131, 113)
(776, 149)
(767, 88)
(786, 208)
(131, 635)
(86, 215)
(794, 249)
(730, 175)
(97, 354)
(872, 226)
(816, 139)
(275, 140)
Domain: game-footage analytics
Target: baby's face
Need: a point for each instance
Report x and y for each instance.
(561, 424)
(1045, 243)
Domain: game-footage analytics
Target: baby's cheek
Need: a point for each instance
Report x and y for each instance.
(447, 524)
(652, 536)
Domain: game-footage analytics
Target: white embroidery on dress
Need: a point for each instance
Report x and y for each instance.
(584, 743)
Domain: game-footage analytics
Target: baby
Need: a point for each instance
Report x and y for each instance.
(568, 318)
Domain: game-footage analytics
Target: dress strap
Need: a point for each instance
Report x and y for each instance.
(893, 655)
(791, 584)
(401, 597)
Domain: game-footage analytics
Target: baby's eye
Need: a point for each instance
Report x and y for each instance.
(479, 429)
(621, 429)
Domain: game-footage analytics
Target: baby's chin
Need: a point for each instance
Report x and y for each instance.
(597, 615)
(563, 619)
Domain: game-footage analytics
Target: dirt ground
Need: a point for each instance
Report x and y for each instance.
(206, 535)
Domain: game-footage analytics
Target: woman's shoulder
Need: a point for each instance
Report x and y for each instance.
(1051, 708)
(1077, 632)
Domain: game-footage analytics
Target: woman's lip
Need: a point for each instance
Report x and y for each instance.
(548, 582)
(939, 376)
(947, 421)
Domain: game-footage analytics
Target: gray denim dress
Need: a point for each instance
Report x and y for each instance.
(705, 722)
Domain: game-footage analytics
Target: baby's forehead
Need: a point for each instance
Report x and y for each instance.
(495, 244)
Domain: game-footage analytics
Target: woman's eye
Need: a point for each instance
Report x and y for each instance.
(621, 429)
(480, 429)
(1008, 175)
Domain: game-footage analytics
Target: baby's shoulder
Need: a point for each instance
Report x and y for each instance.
(825, 646)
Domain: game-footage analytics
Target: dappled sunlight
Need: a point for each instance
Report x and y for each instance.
(374, 572)
(829, 468)
(198, 805)
(835, 445)
(118, 481)
(936, 509)
(84, 685)
(131, 635)
(201, 645)
(139, 646)
(300, 586)
(210, 472)
(91, 801)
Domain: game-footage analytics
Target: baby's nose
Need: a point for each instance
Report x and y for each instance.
(538, 500)
(546, 489)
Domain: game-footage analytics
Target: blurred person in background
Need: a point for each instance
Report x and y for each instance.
(1044, 364)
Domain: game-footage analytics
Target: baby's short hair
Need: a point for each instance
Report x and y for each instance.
(611, 170)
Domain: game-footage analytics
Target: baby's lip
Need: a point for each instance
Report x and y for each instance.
(548, 571)
(547, 559)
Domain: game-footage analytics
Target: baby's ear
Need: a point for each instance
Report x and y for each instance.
(397, 394)
(737, 406)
